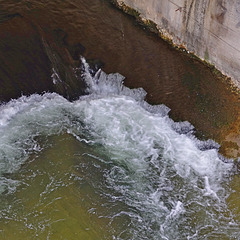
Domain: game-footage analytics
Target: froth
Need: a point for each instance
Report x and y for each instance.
(158, 166)
(115, 116)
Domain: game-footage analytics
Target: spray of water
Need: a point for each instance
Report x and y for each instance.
(175, 185)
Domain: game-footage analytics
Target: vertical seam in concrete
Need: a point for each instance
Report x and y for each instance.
(189, 13)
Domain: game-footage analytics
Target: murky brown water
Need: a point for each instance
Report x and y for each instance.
(185, 85)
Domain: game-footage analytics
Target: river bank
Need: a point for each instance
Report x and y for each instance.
(207, 29)
(192, 91)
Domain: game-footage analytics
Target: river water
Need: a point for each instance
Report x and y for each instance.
(108, 166)
(184, 84)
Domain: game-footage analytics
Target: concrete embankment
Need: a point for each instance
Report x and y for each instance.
(208, 28)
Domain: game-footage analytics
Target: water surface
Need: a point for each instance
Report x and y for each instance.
(109, 166)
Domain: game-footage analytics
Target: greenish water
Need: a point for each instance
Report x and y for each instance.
(61, 195)
(52, 198)
(58, 196)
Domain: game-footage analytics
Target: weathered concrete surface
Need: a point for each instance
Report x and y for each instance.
(208, 28)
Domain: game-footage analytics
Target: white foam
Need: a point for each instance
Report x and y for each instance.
(158, 166)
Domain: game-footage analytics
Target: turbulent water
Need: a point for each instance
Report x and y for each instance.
(153, 178)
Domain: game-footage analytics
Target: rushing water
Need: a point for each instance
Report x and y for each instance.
(108, 166)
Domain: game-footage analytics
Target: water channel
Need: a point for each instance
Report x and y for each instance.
(109, 165)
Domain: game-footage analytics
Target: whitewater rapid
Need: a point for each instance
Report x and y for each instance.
(174, 184)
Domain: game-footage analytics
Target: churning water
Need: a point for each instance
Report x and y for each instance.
(133, 173)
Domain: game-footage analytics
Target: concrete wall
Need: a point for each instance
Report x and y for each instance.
(209, 28)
